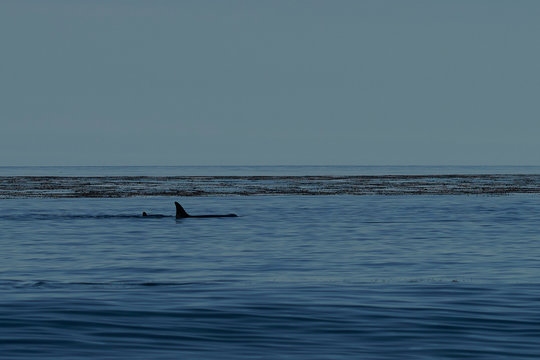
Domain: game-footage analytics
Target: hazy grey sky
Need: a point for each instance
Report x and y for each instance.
(269, 82)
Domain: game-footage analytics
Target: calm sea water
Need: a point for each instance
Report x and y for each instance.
(293, 277)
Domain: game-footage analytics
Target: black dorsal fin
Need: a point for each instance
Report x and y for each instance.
(180, 212)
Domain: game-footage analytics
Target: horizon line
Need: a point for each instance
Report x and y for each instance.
(282, 165)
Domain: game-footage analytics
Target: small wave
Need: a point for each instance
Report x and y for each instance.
(184, 186)
(41, 216)
(45, 284)
(134, 283)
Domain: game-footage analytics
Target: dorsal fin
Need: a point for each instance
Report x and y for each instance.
(180, 212)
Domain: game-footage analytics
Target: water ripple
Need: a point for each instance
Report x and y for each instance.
(130, 186)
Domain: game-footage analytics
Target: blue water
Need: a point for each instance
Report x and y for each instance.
(293, 277)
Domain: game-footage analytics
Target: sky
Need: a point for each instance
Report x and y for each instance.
(275, 82)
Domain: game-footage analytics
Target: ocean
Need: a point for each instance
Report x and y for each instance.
(321, 263)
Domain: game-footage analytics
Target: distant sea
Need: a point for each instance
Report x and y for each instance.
(323, 262)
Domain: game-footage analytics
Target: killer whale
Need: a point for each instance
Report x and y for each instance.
(144, 214)
(182, 214)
